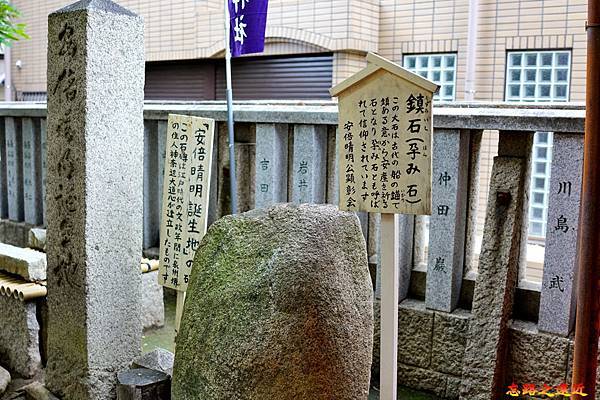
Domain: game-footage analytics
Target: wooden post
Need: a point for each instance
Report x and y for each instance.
(389, 307)
(179, 310)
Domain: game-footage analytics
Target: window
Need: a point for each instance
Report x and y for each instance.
(540, 183)
(439, 68)
(538, 76)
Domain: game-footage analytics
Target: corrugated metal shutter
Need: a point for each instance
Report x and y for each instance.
(180, 80)
(279, 78)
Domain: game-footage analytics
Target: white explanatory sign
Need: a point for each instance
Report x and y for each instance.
(384, 140)
(185, 197)
(384, 153)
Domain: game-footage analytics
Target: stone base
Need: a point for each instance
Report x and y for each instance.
(19, 344)
(153, 310)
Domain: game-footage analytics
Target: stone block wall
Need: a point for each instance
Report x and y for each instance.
(431, 346)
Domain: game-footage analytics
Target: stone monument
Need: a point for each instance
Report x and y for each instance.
(279, 306)
(94, 194)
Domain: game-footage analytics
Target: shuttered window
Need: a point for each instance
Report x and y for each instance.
(304, 77)
(180, 80)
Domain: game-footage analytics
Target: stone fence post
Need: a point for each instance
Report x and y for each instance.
(95, 179)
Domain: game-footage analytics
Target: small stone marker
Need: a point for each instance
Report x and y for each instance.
(31, 173)
(384, 151)
(309, 164)
(3, 172)
(447, 222)
(151, 184)
(493, 296)
(558, 299)
(43, 140)
(162, 145)
(186, 191)
(95, 189)
(271, 164)
(14, 169)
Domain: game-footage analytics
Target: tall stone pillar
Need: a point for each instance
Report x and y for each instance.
(95, 180)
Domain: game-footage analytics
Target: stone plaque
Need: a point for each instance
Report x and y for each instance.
(558, 298)
(384, 145)
(186, 189)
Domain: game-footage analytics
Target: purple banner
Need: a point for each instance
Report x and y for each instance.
(248, 21)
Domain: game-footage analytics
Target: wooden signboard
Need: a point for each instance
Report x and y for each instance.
(384, 152)
(185, 197)
(384, 140)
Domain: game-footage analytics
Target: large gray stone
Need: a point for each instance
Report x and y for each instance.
(27, 263)
(279, 306)
(447, 222)
(95, 184)
(375, 366)
(152, 307)
(495, 286)
(19, 344)
(558, 298)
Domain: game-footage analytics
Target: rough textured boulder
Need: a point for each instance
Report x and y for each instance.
(279, 306)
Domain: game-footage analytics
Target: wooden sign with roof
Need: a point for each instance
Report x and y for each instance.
(384, 139)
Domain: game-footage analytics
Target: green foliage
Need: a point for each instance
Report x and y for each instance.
(10, 31)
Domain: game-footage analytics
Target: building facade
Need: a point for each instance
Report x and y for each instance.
(317, 43)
